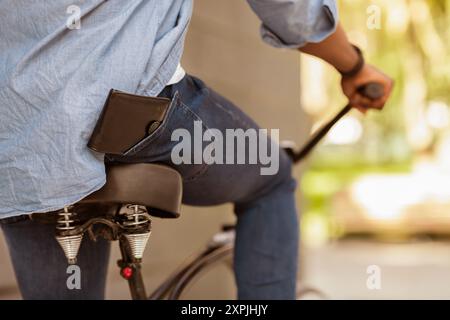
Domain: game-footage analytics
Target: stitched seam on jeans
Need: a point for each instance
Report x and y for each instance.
(204, 166)
(196, 116)
(235, 117)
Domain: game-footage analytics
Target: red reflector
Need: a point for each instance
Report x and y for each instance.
(127, 272)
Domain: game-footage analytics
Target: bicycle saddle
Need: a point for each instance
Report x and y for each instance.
(155, 186)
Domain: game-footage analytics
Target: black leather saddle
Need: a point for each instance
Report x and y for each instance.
(155, 186)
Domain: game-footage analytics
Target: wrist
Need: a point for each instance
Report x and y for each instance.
(357, 66)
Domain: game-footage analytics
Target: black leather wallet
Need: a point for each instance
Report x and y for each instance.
(126, 120)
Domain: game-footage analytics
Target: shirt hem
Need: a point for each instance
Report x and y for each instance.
(60, 203)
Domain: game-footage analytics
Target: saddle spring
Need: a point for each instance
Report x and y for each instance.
(66, 220)
(136, 216)
(69, 243)
(138, 229)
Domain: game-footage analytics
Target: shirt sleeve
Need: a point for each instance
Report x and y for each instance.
(293, 23)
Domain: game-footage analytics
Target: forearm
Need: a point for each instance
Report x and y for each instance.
(312, 27)
(336, 50)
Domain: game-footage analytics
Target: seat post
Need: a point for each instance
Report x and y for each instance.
(130, 269)
(133, 238)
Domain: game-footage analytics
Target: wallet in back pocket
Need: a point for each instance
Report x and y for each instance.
(127, 119)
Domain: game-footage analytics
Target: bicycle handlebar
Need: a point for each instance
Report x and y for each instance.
(372, 91)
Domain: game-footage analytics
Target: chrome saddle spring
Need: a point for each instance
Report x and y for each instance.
(66, 219)
(69, 243)
(136, 216)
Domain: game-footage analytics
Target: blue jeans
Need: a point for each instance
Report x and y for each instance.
(266, 248)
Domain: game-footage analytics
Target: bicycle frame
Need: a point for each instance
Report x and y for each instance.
(220, 247)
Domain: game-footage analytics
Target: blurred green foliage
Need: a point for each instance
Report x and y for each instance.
(412, 45)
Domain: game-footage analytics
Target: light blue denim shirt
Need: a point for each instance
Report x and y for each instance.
(54, 79)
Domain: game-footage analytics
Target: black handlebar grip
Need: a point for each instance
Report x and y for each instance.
(372, 90)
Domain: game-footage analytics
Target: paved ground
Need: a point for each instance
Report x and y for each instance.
(419, 270)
